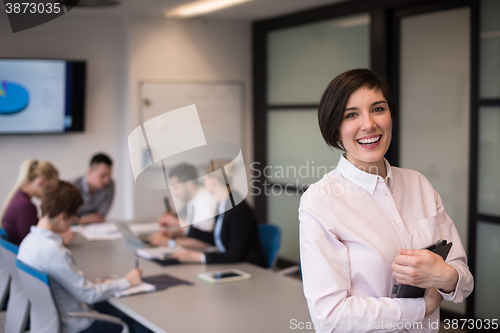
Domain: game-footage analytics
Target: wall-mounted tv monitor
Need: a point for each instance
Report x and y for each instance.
(41, 96)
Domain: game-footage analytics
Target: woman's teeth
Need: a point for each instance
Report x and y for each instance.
(369, 141)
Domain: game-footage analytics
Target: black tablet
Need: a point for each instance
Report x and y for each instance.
(442, 248)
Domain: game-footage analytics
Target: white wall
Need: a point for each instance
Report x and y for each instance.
(102, 42)
(120, 52)
(191, 50)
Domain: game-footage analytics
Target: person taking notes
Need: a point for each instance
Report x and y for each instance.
(43, 250)
(198, 203)
(235, 233)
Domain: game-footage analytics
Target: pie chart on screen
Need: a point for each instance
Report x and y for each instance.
(13, 98)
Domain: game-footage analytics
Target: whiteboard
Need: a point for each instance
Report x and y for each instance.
(220, 105)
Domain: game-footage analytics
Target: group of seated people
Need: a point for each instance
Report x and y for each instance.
(42, 241)
(233, 231)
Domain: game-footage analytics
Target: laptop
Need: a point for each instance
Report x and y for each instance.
(139, 241)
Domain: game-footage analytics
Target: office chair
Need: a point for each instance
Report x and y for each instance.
(18, 307)
(44, 316)
(270, 240)
(4, 276)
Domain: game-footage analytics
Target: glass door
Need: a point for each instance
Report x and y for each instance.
(434, 108)
(301, 61)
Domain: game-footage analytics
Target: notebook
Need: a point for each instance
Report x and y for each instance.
(151, 284)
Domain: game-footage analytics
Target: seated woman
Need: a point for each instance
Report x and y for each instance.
(43, 250)
(363, 224)
(19, 213)
(235, 232)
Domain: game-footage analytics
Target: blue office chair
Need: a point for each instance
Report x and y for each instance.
(44, 315)
(270, 240)
(4, 276)
(18, 307)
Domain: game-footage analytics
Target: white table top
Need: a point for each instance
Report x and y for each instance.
(267, 302)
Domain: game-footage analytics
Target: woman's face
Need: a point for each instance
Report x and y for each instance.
(366, 128)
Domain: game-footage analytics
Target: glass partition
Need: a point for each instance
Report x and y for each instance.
(296, 152)
(486, 287)
(303, 59)
(434, 108)
(489, 161)
(489, 82)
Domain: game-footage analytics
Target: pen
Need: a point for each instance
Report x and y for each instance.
(136, 262)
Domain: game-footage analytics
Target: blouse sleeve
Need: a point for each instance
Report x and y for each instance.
(456, 258)
(327, 281)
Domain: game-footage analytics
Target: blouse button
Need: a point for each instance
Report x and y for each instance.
(398, 220)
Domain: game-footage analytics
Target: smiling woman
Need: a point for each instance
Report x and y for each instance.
(363, 223)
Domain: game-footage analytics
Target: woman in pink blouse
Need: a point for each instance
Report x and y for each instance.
(362, 224)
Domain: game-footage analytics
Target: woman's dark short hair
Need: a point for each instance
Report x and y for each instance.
(334, 100)
(63, 197)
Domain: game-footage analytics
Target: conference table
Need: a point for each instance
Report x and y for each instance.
(268, 302)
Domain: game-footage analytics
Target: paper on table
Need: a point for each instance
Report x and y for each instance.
(141, 288)
(144, 228)
(76, 228)
(160, 252)
(101, 231)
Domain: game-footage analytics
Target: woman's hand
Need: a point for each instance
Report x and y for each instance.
(424, 269)
(432, 301)
(187, 255)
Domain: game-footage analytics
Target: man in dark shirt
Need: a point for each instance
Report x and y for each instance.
(97, 189)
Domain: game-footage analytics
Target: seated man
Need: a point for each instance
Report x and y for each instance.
(97, 189)
(235, 233)
(43, 249)
(198, 202)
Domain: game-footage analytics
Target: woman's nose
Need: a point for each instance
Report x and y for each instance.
(368, 123)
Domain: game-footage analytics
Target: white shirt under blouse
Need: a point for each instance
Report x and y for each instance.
(352, 225)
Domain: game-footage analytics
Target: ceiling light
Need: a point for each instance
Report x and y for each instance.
(201, 7)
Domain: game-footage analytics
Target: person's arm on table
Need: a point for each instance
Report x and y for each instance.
(185, 255)
(191, 243)
(162, 238)
(197, 239)
(159, 238)
(241, 225)
(63, 270)
(168, 220)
